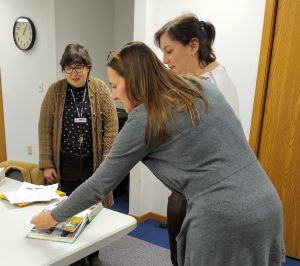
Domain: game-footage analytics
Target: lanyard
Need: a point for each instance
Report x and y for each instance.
(83, 98)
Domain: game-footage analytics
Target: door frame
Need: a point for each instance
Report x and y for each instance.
(263, 74)
(2, 128)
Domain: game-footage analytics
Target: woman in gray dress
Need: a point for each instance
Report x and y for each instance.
(184, 131)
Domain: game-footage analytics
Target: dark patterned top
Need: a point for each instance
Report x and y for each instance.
(76, 138)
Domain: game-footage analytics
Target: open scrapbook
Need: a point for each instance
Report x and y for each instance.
(67, 231)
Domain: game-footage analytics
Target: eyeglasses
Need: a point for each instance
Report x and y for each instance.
(112, 54)
(78, 69)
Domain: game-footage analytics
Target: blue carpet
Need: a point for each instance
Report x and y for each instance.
(150, 230)
(121, 204)
(291, 262)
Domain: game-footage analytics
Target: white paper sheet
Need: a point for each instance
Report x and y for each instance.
(30, 193)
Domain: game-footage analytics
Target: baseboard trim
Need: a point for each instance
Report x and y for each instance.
(148, 216)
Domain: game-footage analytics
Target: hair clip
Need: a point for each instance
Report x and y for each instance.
(112, 54)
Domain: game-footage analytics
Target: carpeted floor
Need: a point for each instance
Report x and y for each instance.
(130, 251)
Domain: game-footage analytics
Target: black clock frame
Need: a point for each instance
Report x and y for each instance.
(33, 33)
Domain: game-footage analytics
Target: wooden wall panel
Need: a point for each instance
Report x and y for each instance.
(2, 128)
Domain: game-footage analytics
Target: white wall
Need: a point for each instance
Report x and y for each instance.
(123, 22)
(238, 26)
(90, 23)
(20, 72)
(122, 26)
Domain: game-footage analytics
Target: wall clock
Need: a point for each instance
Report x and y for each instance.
(24, 33)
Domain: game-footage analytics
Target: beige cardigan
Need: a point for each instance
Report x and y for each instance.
(104, 125)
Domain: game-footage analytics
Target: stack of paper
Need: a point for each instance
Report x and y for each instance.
(32, 193)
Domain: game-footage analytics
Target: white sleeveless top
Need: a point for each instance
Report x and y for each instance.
(221, 79)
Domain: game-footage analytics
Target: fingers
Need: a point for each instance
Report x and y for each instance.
(54, 174)
(34, 220)
(51, 180)
(37, 222)
(44, 220)
(51, 175)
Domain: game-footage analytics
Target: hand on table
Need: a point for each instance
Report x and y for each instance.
(43, 220)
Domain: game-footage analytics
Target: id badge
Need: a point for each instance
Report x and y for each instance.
(80, 120)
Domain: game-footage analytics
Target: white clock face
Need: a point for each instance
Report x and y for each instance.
(24, 33)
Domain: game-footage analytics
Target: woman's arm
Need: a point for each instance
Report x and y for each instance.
(128, 149)
(45, 126)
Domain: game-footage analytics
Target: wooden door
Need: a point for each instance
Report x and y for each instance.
(2, 134)
(275, 129)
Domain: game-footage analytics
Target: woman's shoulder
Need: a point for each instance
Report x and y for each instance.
(98, 86)
(218, 68)
(205, 83)
(219, 76)
(96, 81)
(139, 113)
(216, 74)
(57, 86)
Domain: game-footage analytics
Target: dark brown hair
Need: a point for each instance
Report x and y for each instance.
(186, 27)
(149, 81)
(75, 54)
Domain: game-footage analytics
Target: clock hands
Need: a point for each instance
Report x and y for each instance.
(25, 29)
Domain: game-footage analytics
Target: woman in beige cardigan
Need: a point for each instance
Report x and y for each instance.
(78, 124)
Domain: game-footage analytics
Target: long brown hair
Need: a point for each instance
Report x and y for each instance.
(148, 81)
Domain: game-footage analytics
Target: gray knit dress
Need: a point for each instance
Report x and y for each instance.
(234, 216)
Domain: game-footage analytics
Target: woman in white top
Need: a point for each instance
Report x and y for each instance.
(186, 44)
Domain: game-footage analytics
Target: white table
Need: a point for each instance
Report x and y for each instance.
(16, 249)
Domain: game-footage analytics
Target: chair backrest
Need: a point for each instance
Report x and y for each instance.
(14, 174)
(23, 171)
